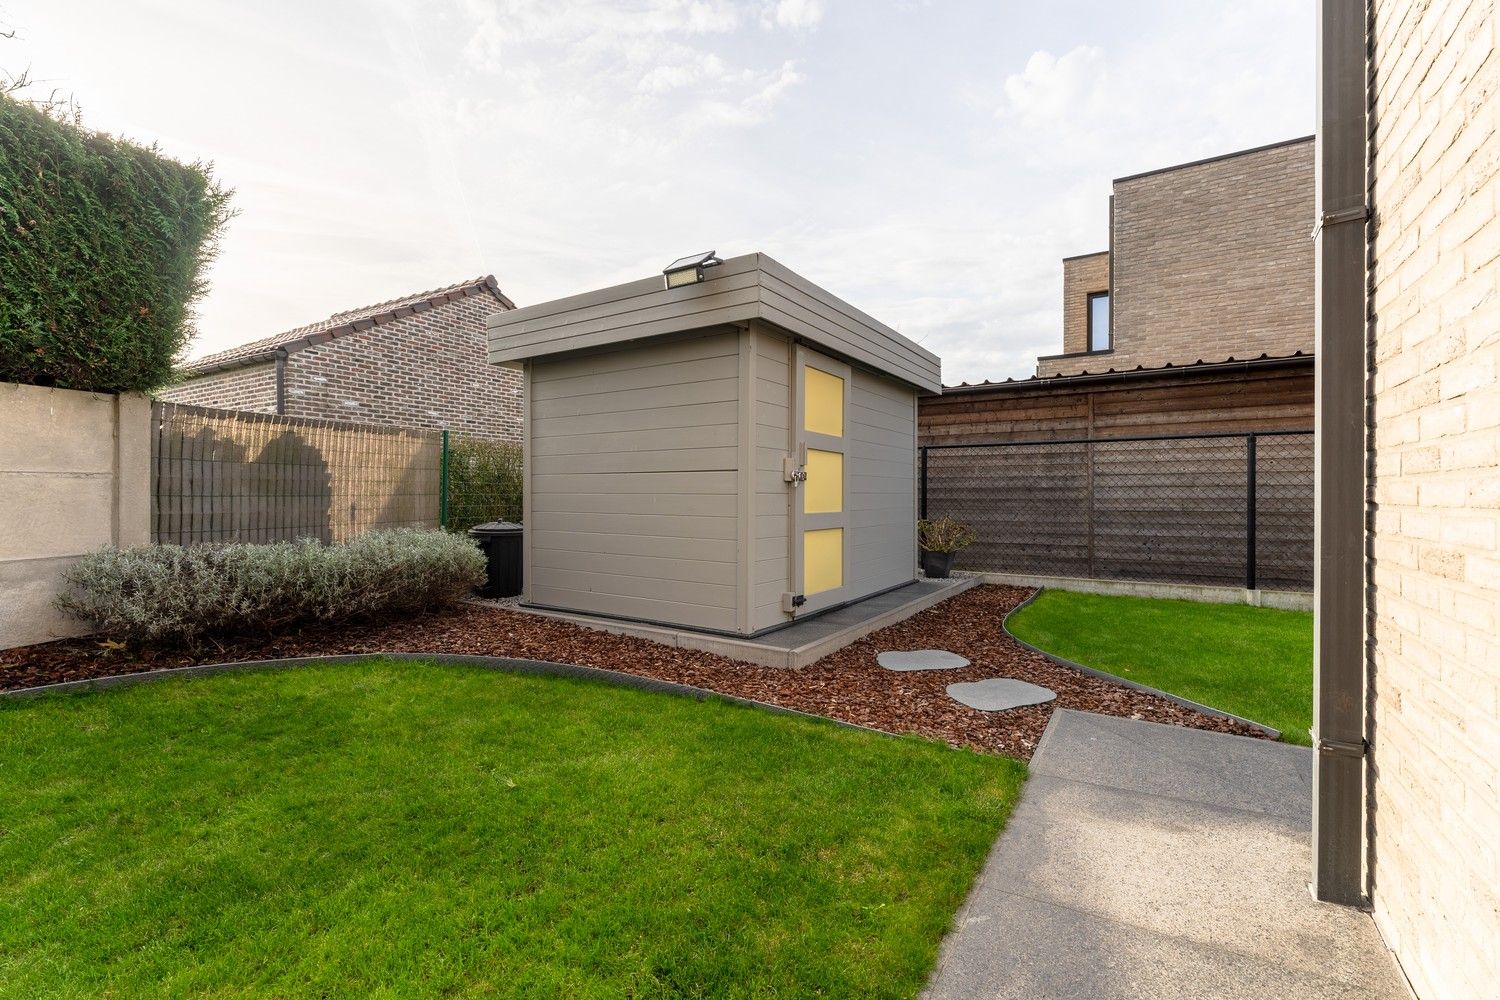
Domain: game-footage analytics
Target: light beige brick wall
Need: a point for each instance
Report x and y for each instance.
(1082, 276)
(1435, 435)
(1215, 260)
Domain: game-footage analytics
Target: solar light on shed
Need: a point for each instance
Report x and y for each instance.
(689, 270)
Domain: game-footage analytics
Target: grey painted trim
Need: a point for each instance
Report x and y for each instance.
(1215, 159)
(740, 290)
(1126, 682)
(1340, 575)
(504, 664)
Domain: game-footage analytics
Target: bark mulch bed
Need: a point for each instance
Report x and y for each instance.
(846, 685)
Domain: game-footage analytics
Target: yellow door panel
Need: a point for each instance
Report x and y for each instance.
(825, 402)
(822, 560)
(823, 493)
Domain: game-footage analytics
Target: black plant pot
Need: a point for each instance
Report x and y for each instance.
(937, 565)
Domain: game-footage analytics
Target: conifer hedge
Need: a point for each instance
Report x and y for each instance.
(103, 248)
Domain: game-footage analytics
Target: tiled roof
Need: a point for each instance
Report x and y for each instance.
(341, 324)
(1191, 367)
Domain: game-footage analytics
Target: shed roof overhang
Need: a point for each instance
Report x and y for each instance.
(740, 290)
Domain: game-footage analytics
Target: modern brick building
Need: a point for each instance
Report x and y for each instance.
(418, 361)
(1207, 261)
(1407, 729)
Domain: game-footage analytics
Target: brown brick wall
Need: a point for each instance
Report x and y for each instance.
(252, 389)
(1215, 260)
(1435, 437)
(426, 370)
(1081, 277)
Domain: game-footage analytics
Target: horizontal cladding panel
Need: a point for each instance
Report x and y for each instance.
(712, 391)
(705, 549)
(685, 415)
(869, 400)
(655, 439)
(646, 567)
(635, 584)
(613, 359)
(624, 357)
(639, 292)
(771, 525)
(719, 482)
(661, 378)
(676, 460)
(726, 312)
(847, 329)
(646, 608)
(662, 525)
(836, 341)
(567, 329)
(674, 504)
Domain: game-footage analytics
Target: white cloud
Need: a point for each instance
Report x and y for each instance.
(800, 15)
(1054, 88)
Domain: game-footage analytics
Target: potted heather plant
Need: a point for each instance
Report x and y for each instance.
(941, 539)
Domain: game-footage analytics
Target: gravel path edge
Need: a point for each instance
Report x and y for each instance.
(1127, 682)
(506, 664)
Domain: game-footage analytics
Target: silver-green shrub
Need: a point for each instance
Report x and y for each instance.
(174, 595)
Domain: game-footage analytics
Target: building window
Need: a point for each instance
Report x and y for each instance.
(1099, 321)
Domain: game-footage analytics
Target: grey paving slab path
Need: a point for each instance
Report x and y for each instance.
(921, 659)
(1151, 861)
(998, 694)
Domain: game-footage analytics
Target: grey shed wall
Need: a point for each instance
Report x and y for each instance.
(656, 486)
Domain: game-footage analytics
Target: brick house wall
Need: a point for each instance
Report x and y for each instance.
(1207, 261)
(1082, 277)
(252, 389)
(1434, 439)
(419, 362)
(428, 370)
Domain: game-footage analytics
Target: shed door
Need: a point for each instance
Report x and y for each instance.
(820, 513)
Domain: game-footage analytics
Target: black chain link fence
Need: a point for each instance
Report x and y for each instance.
(1222, 509)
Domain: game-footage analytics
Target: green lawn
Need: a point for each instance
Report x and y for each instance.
(1253, 662)
(392, 829)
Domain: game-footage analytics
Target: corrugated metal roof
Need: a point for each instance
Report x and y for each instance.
(1194, 367)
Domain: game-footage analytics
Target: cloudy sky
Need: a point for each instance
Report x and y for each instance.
(928, 160)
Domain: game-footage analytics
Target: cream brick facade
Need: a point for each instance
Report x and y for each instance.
(1434, 574)
(1207, 261)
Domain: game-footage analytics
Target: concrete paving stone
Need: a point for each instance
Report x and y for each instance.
(1150, 861)
(921, 659)
(1240, 772)
(1000, 693)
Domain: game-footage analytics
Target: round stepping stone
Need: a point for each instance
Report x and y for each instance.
(999, 693)
(921, 659)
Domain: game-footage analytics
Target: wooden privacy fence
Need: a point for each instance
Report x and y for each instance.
(226, 476)
(1225, 509)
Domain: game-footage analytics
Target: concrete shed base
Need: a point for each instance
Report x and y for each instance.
(798, 644)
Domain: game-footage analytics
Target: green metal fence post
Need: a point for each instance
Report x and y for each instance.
(443, 486)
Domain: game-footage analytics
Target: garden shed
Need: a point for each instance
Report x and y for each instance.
(729, 449)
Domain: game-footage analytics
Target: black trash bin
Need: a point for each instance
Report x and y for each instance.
(500, 541)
